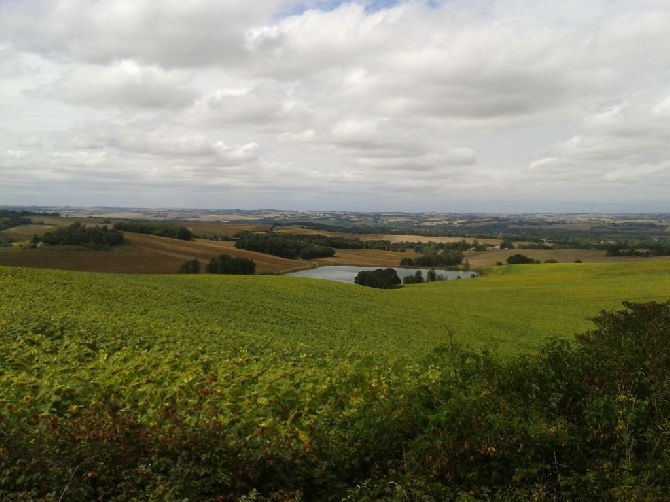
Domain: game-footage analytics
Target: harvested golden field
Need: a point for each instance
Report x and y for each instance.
(143, 254)
(366, 258)
(205, 250)
(228, 229)
(26, 232)
(422, 238)
(149, 254)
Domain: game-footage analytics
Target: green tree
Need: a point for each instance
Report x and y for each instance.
(190, 267)
(386, 278)
(519, 259)
(226, 264)
(416, 278)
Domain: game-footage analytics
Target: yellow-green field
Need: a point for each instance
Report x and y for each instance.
(207, 387)
(513, 308)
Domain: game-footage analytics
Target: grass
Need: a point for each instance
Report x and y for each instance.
(512, 309)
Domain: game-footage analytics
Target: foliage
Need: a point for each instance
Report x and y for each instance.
(190, 267)
(382, 278)
(416, 278)
(9, 219)
(159, 229)
(519, 259)
(283, 245)
(636, 247)
(442, 259)
(80, 235)
(226, 264)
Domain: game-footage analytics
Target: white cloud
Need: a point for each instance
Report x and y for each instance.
(123, 84)
(329, 102)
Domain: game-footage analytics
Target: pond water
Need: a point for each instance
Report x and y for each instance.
(348, 274)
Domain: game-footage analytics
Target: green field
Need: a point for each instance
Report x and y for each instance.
(264, 357)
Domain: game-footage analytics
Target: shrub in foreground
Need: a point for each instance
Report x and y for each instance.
(576, 421)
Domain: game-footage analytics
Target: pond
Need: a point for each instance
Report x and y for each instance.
(347, 274)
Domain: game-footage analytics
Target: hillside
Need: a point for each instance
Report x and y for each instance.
(138, 384)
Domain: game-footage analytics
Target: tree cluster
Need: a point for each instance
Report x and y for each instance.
(520, 259)
(284, 246)
(638, 248)
(158, 229)
(226, 264)
(80, 235)
(442, 259)
(190, 267)
(382, 278)
(10, 219)
(417, 277)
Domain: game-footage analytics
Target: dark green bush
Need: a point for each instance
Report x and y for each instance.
(383, 278)
(190, 267)
(226, 264)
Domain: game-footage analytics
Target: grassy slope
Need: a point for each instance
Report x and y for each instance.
(273, 348)
(513, 308)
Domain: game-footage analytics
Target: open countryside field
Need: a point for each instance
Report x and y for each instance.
(149, 254)
(423, 238)
(219, 385)
(146, 254)
(515, 307)
(488, 259)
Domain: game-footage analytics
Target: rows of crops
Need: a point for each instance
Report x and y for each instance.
(271, 366)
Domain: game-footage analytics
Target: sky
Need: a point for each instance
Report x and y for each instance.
(369, 105)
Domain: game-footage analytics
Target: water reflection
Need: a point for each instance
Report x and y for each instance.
(347, 274)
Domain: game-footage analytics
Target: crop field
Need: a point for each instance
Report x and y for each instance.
(489, 259)
(149, 254)
(120, 374)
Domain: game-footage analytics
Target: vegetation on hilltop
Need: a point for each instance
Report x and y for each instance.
(80, 235)
(286, 245)
(9, 219)
(159, 229)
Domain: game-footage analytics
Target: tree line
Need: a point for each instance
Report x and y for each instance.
(222, 264)
(284, 245)
(10, 219)
(159, 229)
(443, 259)
(80, 235)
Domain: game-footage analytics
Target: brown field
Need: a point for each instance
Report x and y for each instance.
(366, 258)
(421, 238)
(228, 229)
(26, 232)
(148, 254)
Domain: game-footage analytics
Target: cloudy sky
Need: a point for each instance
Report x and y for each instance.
(417, 105)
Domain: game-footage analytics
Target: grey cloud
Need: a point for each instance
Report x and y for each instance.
(170, 33)
(124, 84)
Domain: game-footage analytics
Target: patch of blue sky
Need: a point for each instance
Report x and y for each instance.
(297, 8)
